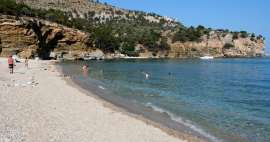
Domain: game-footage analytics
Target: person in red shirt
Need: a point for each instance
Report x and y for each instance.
(10, 64)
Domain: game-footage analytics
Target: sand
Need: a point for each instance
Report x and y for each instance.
(38, 105)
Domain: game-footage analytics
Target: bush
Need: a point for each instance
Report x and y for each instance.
(260, 37)
(164, 44)
(235, 36)
(190, 34)
(252, 37)
(180, 36)
(243, 34)
(150, 38)
(128, 47)
(228, 46)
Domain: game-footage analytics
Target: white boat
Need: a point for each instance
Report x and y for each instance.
(207, 57)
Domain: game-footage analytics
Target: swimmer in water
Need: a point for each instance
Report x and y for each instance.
(146, 75)
(85, 70)
(85, 67)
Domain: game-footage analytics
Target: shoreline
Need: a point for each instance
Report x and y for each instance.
(48, 108)
(115, 107)
(172, 127)
(166, 58)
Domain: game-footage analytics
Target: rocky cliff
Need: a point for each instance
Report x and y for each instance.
(28, 37)
(219, 44)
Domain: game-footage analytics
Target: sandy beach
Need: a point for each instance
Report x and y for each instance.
(38, 105)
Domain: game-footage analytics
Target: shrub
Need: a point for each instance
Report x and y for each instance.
(180, 36)
(235, 35)
(243, 34)
(104, 39)
(260, 37)
(164, 44)
(228, 46)
(190, 34)
(128, 47)
(252, 37)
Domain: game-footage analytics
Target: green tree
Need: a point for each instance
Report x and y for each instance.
(104, 39)
(235, 35)
(243, 34)
(164, 44)
(228, 46)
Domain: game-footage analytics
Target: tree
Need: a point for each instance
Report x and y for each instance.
(228, 46)
(235, 35)
(45, 46)
(164, 44)
(128, 47)
(243, 34)
(253, 36)
(104, 39)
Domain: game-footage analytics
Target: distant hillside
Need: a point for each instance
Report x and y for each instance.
(90, 9)
(117, 31)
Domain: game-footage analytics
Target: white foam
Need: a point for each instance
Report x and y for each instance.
(101, 87)
(184, 122)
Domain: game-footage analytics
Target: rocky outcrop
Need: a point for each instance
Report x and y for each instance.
(219, 44)
(28, 37)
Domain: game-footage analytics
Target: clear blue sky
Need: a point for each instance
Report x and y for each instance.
(249, 15)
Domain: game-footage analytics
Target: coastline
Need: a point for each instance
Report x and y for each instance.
(171, 128)
(41, 104)
(103, 79)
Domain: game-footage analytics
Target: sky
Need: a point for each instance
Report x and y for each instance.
(237, 15)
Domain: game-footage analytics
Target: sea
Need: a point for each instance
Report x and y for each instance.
(221, 100)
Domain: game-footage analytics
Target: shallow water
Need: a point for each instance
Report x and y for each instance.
(222, 99)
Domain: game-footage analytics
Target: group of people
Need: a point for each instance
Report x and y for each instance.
(11, 63)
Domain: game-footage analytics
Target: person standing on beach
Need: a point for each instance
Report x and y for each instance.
(10, 64)
(26, 63)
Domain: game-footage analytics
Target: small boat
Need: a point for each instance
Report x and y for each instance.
(207, 57)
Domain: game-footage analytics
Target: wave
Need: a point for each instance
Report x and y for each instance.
(186, 123)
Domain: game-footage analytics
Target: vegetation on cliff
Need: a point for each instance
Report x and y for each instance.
(120, 34)
(112, 35)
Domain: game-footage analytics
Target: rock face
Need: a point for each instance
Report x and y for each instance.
(28, 37)
(219, 45)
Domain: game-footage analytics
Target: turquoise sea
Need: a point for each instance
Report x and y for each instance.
(221, 99)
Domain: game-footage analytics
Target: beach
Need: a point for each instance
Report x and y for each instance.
(39, 105)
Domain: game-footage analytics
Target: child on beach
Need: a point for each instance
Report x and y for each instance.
(10, 64)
